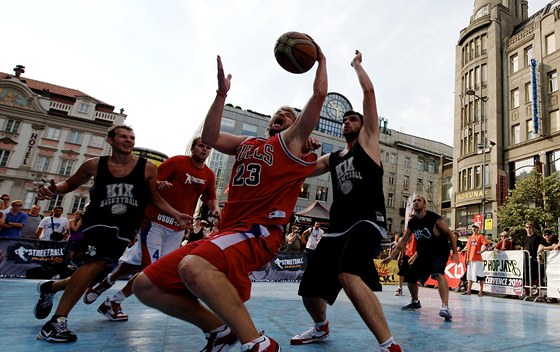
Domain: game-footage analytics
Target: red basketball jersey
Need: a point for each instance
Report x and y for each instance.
(265, 183)
(189, 183)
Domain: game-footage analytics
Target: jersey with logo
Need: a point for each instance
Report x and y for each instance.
(118, 201)
(189, 183)
(474, 246)
(358, 190)
(426, 240)
(265, 183)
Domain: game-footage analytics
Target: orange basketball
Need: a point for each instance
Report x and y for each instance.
(295, 52)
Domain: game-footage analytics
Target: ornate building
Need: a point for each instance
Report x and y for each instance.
(46, 132)
(507, 111)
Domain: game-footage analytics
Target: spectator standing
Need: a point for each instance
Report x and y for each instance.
(15, 221)
(6, 204)
(293, 240)
(505, 243)
(531, 244)
(34, 217)
(55, 224)
(312, 237)
(476, 245)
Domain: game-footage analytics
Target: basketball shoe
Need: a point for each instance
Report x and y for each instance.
(56, 331)
(45, 303)
(268, 345)
(92, 293)
(112, 310)
(311, 335)
(220, 344)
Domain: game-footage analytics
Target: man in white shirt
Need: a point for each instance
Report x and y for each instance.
(312, 236)
(50, 224)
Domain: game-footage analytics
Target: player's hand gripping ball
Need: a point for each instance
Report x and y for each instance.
(295, 52)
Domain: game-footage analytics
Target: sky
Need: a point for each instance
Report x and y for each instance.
(157, 59)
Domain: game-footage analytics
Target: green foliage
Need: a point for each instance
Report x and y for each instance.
(535, 199)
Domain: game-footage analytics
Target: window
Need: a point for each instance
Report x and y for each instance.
(249, 129)
(483, 11)
(84, 108)
(528, 54)
(407, 162)
(4, 155)
(484, 69)
(391, 178)
(554, 121)
(52, 133)
(55, 201)
(554, 161)
(529, 129)
(327, 148)
(304, 191)
(420, 165)
(515, 98)
(477, 177)
(78, 204)
(389, 225)
(431, 167)
(66, 167)
(322, 193)
(12, 126)
(550, 43)
(75, 137)
(419, 184)
(469, 178)
(97, 142)
(390, 200)
(514, 63)
(446, 188)
(523, 168)
(528, 93)
(552, 82)
(430, 186)
(228, 125)
(392, 158)
(406, 181)
(515, 134)
(404, 201)
(29, 199)
(43, 163)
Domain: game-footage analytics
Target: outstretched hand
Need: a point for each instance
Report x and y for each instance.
(47, 192)
(310, 145)
(357, 58)
(224, 82)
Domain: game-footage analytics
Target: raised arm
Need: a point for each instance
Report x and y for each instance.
(296, 136)
(85, 172)
(369, 134)
(224, 142)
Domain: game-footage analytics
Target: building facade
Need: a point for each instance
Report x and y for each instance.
(411, 164)
(47, 132)
(507, 108)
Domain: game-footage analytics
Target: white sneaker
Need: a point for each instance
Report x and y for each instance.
(311, 335)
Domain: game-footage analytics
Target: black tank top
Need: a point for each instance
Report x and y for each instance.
(426, 240)
(118, 201)
(358, 190)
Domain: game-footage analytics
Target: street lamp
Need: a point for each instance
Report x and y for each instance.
(482, 148)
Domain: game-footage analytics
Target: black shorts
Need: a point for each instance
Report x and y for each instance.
(352, 252)
(102, 242)
(404, 267)
(426, 266)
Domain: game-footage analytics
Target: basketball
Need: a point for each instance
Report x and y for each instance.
(295, 52)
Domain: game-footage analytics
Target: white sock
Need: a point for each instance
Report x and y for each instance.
(318, 325)
(220, 331)
(118, 297)
(109, 281)
(387, 343)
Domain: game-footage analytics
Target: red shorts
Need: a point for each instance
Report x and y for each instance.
(235, 254)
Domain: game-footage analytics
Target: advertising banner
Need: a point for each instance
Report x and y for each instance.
(553, 274)
(287, 266)
(21, 255)
(504, 272)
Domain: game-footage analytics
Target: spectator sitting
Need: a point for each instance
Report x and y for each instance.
(34, 217)
(548, 242)
(14, 222)
(55, 224)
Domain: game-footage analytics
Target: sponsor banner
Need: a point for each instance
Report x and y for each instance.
(504, 272)
(453, 272)
(20, 255)
(388, 273)
(287, 266)
(553, 274)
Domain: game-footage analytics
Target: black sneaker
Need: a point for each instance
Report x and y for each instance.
(45, 303)
(56, 331)
(412, 305)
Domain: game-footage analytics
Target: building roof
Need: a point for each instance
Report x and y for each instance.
(40, 87)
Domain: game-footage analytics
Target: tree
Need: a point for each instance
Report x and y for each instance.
(534, 199)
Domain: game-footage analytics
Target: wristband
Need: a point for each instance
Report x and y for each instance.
(223, 95)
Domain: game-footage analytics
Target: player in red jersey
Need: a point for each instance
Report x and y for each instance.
(182, 180)
(206, 282)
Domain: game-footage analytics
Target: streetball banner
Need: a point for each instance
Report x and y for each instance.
(504, 272)
(553, 274)
(20, 255)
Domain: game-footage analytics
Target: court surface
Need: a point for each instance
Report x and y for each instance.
(479, 323)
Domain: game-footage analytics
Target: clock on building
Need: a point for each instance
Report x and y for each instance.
(334, 106)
